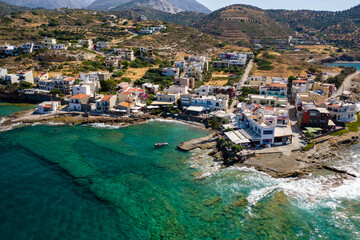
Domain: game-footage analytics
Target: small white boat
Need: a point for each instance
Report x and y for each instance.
(161, 144)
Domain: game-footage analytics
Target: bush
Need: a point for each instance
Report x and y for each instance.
(25, 85)
(236, 148)
(340, 133)
(266, 67)
(309, 146)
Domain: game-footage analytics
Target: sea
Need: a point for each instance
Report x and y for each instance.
(105, 182)
(346, 64)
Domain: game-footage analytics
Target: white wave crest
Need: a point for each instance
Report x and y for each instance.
(103, 125)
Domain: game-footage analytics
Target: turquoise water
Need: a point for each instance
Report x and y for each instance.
(83, 182)
(10, 108)
(356, 65)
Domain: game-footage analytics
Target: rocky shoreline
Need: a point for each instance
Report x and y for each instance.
(277, 165)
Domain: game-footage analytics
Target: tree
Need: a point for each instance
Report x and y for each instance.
(25, 85)
(214, 123)
(107, 86)
(236, 148)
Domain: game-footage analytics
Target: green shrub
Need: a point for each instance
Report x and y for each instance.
(309, 146)
(266, 67)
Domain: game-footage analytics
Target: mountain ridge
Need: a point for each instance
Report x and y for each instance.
(184, 5)
(49, 4)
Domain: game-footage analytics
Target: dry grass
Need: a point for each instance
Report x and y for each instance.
(135, 73)
(286, 66)
(320, 49)
(216, 83)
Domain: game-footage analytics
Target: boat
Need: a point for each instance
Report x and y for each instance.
(161, 144)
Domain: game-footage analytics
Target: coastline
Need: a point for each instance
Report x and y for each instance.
(277, 165)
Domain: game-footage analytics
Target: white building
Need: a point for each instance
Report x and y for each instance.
(48, 42)
(166, 98)
(151, 87)
(181, 64)
(212, 103)
(28, 47)
(48, 107)
(89, 42)
(177, 89)
(105, 45)
(342, 111)
(170, 72)
(58, 47)
(3, 73)
(268, 100)
(83, 89)
(125, 54)
(76, 102)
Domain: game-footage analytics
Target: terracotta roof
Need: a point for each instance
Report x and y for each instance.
(277, 85)
(126, 104)
(127, 93)
(106, 98)
(269, 108)
(68, 79)
(300, 81)
(79, 96)
(335, 106)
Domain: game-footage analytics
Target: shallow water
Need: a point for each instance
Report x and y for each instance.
(97, 182)
(10, 108)
(349, 64)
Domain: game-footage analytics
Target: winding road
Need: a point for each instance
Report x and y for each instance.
(346, 84)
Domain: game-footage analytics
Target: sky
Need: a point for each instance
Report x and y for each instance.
(332, 5)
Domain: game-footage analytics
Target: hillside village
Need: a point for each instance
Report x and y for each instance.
(250, 112)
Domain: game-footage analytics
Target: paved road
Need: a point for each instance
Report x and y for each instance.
(346, 84)
(246, 74)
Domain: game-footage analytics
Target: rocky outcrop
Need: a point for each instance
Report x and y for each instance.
(207, 142)
(65, 56)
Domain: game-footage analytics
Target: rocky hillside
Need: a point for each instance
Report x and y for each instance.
(161, 5)
(184, 18)
(340, 27)
(242, 22)
(171, 6)
(107, 4)
(6, 8)
(50, 4)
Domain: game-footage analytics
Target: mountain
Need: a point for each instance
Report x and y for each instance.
(190, 5)
(342, 27)
(50, 4)
(6, 9)
(169, 5)
(242, 22)
(184, 18)
(161, 5)
(107, 4)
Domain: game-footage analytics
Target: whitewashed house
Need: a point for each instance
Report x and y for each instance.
(48, 107)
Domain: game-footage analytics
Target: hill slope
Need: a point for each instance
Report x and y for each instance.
(50, 4)
(6, 8)
(184, 5)
(182, 18)
(242, 22)
(161, 5)
(341, 27)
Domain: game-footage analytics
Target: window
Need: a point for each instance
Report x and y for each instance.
(313, 114)
(268, 132)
